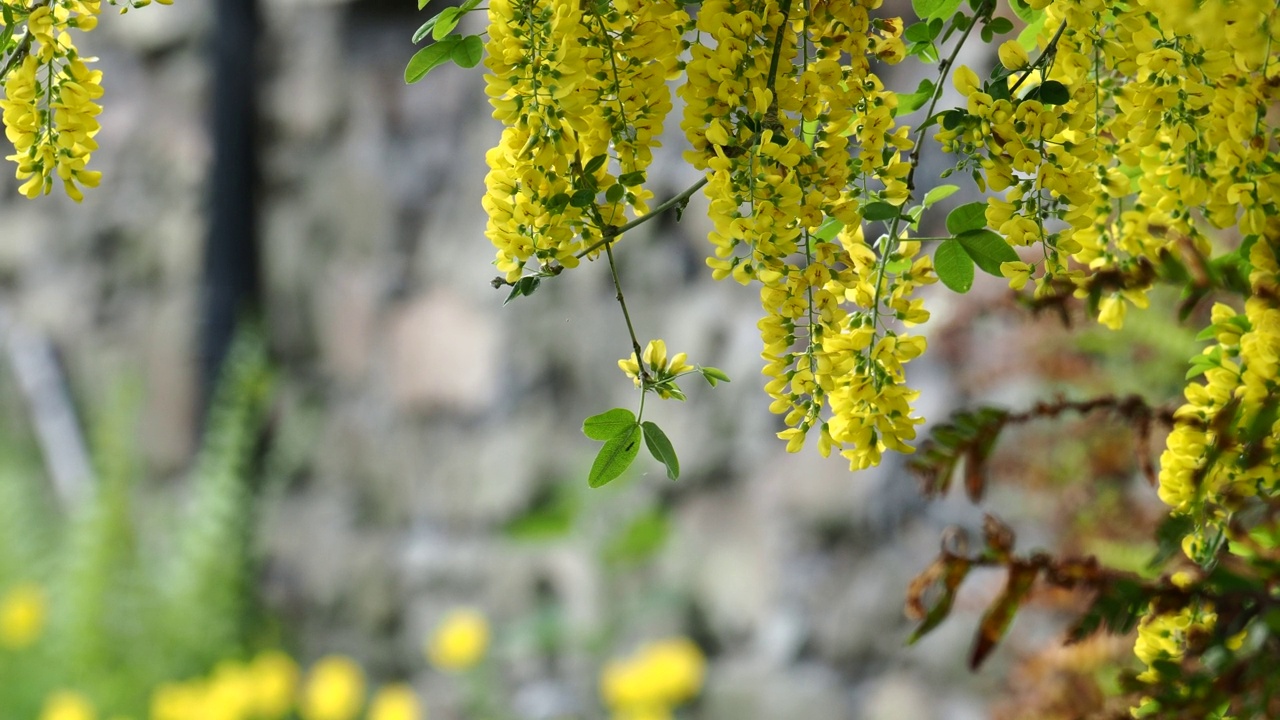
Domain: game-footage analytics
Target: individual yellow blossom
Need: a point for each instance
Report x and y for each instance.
(334, 690)
(1013, 56)
(460, 641)
(67, 705)
(966, 80)
(1019, 273)
(396, 702)
(22, 616)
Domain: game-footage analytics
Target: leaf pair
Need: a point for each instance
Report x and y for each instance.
(973, 244)
(621, 434)
(463, 51)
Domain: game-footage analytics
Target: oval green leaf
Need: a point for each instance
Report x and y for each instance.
(953, 265)
(615, 457)
(938, 194)
(880, 211)
(609, 424)
(446, 21)
(468, 52)
(970, 216)
(428, 58)
(660, 448)
(987, 249)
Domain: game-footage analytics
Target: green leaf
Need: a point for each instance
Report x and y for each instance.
(595, 164)
(1027, 38)
(987, 249)
(426, 28)
(828, 230)
(910, 102)
(632, 179)
(582, 197)
(422, 3)
(939, 193)
(713, 375)
(524, 286)
(660, 448)
(918, 32)
(468, 52)
(1024, 11)
(953, 265)
(615, 192)
(1000, 25)
(970, 216)
(609, 424)
(899, 266)
(1051, 92)
(615, 457)
(428, 58)
(446, 21)
(929, 9)
(880, 211)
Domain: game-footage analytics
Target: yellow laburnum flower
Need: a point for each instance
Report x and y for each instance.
(334, 690)
(1013, 56)
(396, 702)
(22, 616)
(459, 641)
(67, 705)
(966, 80)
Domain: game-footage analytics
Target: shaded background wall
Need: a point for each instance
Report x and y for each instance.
(429, 444)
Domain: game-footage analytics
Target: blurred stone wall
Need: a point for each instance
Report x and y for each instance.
(418, 417)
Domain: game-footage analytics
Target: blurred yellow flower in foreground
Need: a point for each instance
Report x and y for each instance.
(459, 641)
(396, 702)
(67, 705)
(275, 682)
(334, 689)
(22, 614)
(656, 678)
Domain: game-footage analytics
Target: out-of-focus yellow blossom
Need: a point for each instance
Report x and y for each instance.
(396, 702)
(22, 616)
(460, 641)
(656, 678)
(334, 690)
(275, 683)
(67, 705)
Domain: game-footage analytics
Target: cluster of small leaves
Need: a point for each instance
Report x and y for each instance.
(621, 432)
(462, 50)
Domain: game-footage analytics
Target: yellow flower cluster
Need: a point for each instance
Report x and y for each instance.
(775, 138)
(653, 681)
(270, 686)
(791, 126)
(581, 89)
(49, 111)
(660, 371)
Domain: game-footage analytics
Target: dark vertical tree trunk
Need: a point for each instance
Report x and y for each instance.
(230, 291)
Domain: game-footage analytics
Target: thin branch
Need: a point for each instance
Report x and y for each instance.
(1048, 51)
